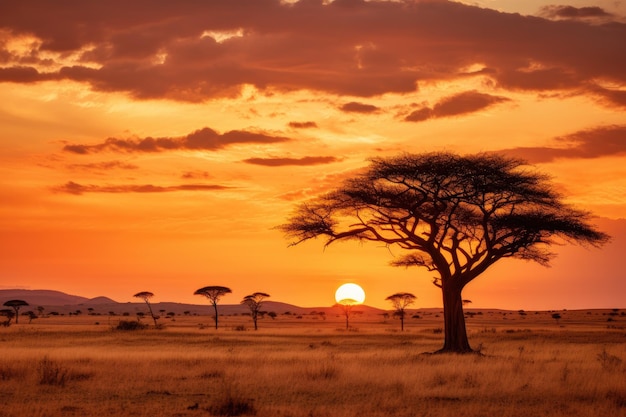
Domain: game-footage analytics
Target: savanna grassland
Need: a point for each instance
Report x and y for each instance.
(529, 365)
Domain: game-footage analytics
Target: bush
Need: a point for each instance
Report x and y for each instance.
(608, 362)
(231, 403)
(51, 373)
(130, 325)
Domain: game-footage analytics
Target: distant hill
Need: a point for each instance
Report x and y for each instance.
(65, 303)
(42, 297)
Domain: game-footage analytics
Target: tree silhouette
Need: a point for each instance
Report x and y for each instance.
(9, 314)
(16, 305)
(213, 293)
(254, 302)
(346, 306)
(146, 296)
(454, 215)
(400, 302)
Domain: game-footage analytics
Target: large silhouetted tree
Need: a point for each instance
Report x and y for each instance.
(400, 302)
(146, 296)
(254, 302)
(213, 293)
(16, 305)
(453, 215)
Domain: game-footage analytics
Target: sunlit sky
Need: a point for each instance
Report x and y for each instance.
(154, 145)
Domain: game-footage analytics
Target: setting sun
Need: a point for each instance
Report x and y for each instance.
(350, 294)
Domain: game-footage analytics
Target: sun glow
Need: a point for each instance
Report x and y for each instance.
(350, 294)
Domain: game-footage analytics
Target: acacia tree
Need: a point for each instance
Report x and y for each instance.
(16, 305)
(400, 302)
(146, 296)
(346, 306)
(453, 215)
(9, 314)
(254, 302)
(213, 293)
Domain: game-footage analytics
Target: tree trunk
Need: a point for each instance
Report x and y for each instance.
(454, 321)
(215, 308)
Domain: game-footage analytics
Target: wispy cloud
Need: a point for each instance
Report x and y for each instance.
(203, 139)
(277, 162)
(592, 143)
(103, 166)
(193, 175)
(302, 125)
(77, 189)
(356, 107)
(459, 104)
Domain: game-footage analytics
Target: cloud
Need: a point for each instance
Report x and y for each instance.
(592, 143)
(570, 12)
(456, 105)
(104, 166)
(203, 139)
(307, 160)
(78, 189)
(197, 51)
(356, 107)
(302, 125)
(192, 175)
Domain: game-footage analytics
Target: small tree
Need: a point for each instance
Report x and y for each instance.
(346, 306)
(213, 293)
(254, 302)
(146, 296)
(16, 305)
(556, 317)
(9, 314)
(400, 302)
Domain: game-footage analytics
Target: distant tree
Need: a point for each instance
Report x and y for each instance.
(40, 309)
(146, 296)
(31, 316)
(16, 305)
(213, 293)
(346, 306)
(9, 314)
(400, 302)
(454, 215)
(556, 317)
(254, 302)
(272, 315)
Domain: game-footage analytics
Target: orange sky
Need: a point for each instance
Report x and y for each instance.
(154, 145)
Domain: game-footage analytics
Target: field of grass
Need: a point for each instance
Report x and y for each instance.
(529, 365)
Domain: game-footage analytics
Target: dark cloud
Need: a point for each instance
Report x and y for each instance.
(355, 107)
(203, 139)
(302, 125)
(104, 166)
(459, 104)
(168, 50)
(75, 188)
(570, 12)
(277, 162)
(592, 143)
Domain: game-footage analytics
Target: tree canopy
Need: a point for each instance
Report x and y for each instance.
(16, 305)
(213, 293)
(254, 302)
(451, 214)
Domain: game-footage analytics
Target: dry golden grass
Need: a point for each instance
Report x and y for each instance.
(529, 366)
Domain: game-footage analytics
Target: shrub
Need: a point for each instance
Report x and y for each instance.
(130, 325)
(607, 361)
(229, 403)
(51, 373)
